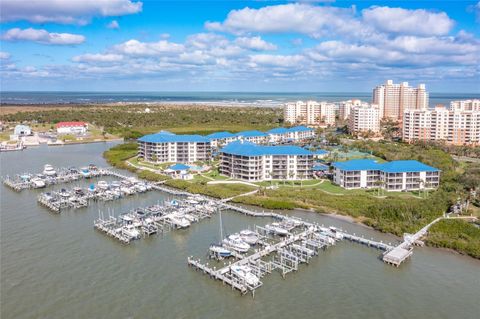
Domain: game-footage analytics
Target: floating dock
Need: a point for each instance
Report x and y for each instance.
(62, 175)
(155, 219)
(81, 197)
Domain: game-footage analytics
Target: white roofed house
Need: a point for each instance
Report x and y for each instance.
(76, 128)
(22, 130)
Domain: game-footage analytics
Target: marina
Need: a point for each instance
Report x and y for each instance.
(78, 197)
(53, 276)
(52, 176)
(154, 219)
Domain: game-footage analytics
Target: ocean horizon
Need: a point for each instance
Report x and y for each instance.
(203, 97)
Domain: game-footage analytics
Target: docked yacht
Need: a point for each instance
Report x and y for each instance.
(220, 251)
(37, 182)
(248, 236)
(130, 231)
(245, 274)
(276, 229)
(236, 243)
(85, 172)
(179, 221)
(48, 170)
(103, 185)
(336, 232)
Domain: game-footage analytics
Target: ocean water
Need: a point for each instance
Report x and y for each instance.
(57, 266)
(235, 98)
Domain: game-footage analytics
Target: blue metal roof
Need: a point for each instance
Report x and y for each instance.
(251, 149)
(407, 166)
(320, 167)
(179, 167)
(300, 128)
(167, 137)
(390, 167)
(220, 135)
(357, 165)
(251, 134)
(278, 130)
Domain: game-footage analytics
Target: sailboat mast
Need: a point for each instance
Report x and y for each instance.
(221, 224)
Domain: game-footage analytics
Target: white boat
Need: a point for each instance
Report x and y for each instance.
(276, 229)
(245, 274)
(220, 251)
(325, 238)
(37, 183)
(85, 172)
(236, 243)
(248, 236)
(130, 231)
(338, 235)
(48, 170)
(103, 185)
(179, 221)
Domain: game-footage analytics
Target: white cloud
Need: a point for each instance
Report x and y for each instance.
(255, 43)
(408, 22)
(42, 36)
(98, 57)
(65, 11)
(286, 18)
(136, 48)
(285, 61)
(113, 25)
(4, 55)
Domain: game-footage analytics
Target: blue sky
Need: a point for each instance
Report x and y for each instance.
(130, 45)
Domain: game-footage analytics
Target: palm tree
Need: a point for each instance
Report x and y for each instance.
(378, 184)
(291, 175)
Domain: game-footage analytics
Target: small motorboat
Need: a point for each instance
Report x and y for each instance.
(235, 242)
(245, 273)
(48, 170)
(103, 185)
(248, 236)
(276, 229)
(37, 182)
(85, 172)
(131, 231)
(220, 251)
(179, 221)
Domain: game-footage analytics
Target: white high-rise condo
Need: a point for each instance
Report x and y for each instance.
(364, 118)
(310, 113)
(394, 99)
(458, 126)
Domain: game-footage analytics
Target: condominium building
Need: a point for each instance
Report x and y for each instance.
(344, 108)
(310, 113)
(393, 99)
(293, 134)
(167, 147)
(219, 139)
(456, 126)
(364, 118)
(391, 176)
(252, 136)
(465, 105)
(252, 162)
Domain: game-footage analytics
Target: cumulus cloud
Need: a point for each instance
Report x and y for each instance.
(113, 25)
(136, 48)
(408, 22)
(287, 18)
(4, 55)
(255, 43)
(42, 36)
(98, 57)
(65, 11)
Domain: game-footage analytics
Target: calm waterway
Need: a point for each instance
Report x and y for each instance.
(58, 266)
